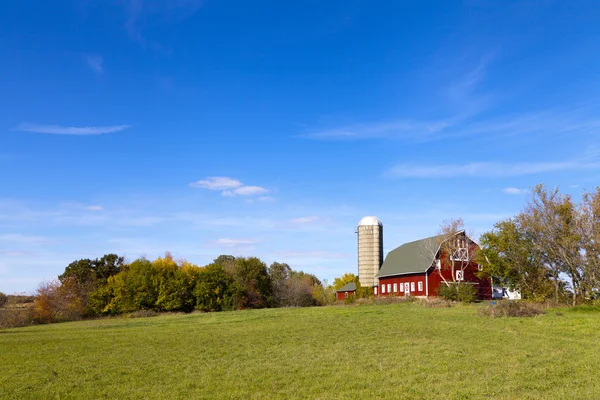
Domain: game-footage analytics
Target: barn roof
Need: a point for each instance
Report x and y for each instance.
(349, 287)
(410, 258)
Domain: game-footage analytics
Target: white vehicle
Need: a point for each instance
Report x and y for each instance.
(500, 292)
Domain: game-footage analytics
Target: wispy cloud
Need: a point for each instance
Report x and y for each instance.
(14, 253)
(233, 243)
(246, 191)
(304, 220)
(231, 187)
(398, 129)
(459, 92)
(23, 239)
(95, 62)
(70, 130)
(79, 206)
(516, 191)
(217, 183)
(140, 13)
(486, 169)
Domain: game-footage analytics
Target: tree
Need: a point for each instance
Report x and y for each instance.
(82, 277)
(133, 289)
(454, 250)
(174, 285)
(345, 279)
(590, 233)
(552, 221)
(509, 254)
(280, 273)
(253, 278)
(3, 299)
(216, 290)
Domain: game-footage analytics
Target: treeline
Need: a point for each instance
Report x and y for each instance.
(550, 250)
(110, 286)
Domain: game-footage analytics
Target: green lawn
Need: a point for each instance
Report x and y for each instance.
(375, 351)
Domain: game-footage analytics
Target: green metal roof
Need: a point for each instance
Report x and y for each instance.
(349, 287)
(410, 258)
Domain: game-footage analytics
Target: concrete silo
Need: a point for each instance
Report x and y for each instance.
(370, 250)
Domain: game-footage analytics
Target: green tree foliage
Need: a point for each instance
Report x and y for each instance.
(87, 270)
(553, 238)
(174, 282)
(253, 279)
(82, 277)
(465, 293)
(133, 289)
(342, 281)
(216, 290)
(509, 254)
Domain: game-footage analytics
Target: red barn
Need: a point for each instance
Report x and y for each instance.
(346, 291)
(419, 268)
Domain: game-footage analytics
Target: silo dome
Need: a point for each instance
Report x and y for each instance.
(370, 221)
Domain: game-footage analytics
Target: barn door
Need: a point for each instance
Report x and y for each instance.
(406, 289)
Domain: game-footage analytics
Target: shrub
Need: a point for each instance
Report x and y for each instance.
(511, 308)
(434, 302)
(463, 292)
(142, 314)
(13, 317)
(350, 299)
(391, 299)
(3, 299)
(55, 302)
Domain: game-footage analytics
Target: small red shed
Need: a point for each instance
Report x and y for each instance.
(346, 291)
(418, 269)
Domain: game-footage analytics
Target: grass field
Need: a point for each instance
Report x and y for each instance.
(374, 351)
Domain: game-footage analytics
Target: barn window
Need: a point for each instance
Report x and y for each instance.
(420, 286)
(375, 290)
(401, 287)
(382, 289)
(406, 287)
(389, 288)
(460, 276)
(346, 293)
(412, 286)
(438, 264)
(395, 288)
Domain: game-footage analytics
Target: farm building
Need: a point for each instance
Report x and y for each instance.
(417, 268)
(346, 291)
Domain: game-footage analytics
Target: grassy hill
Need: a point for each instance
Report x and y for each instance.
(375, 351)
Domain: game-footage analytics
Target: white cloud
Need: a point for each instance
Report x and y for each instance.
(95, 62)
(79, 206)
(217, 183)
(538, 123)
(485, 169)
(231, 187)
(246, 191)
(14, 253)
(23, 239)
(233, 243)
(304, 220)
(70, 130)
(512, 190)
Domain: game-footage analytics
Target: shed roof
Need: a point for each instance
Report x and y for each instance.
(410, 258)
(349, 287)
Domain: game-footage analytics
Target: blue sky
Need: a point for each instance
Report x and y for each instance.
(269, 128)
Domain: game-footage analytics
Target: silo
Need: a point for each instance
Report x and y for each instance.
(370, 250)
